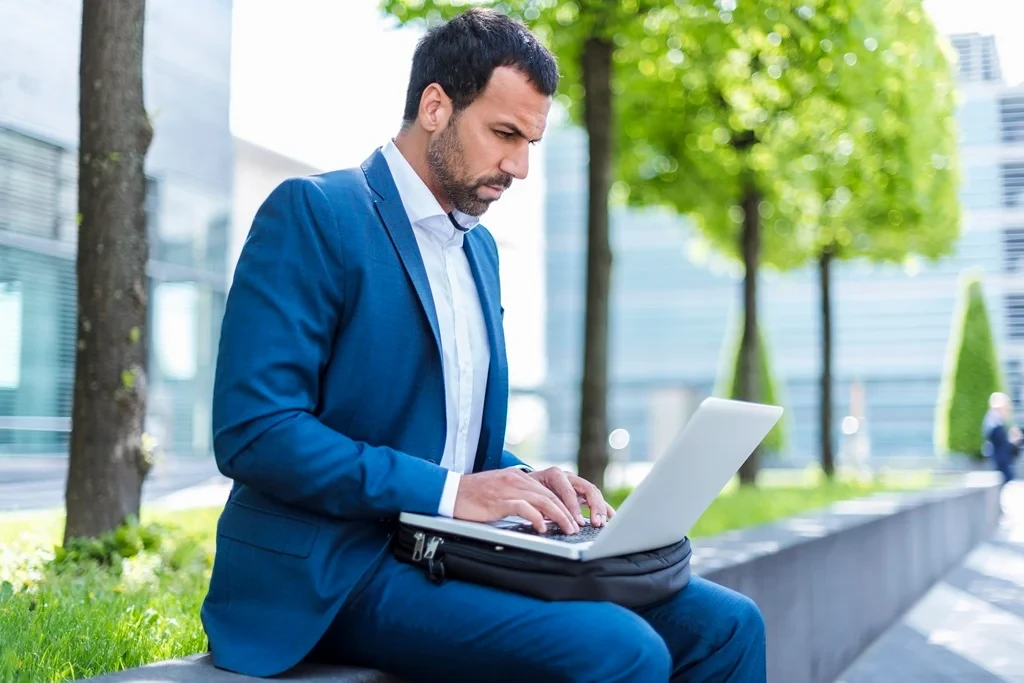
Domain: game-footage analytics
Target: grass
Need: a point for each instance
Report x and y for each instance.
(784, 494)
(64, 625)
(86, 619)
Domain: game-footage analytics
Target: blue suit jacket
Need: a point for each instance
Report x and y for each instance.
(328, 408)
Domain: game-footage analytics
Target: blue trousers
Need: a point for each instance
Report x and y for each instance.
(1005, 467)
(403, 624)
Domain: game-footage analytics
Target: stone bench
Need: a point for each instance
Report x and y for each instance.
(827, 582)
(199, 669)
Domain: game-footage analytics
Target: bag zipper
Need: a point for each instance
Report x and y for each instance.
(417, 551)
(511, 557)
(432, 547)
(487, 555)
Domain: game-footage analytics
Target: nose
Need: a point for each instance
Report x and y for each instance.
(517, 163)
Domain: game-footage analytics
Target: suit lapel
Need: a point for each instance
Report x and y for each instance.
(495, 404)
(484, 268)
(392, 212)
(485, 290)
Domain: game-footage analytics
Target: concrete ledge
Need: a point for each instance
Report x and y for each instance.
(828, 583)
(199, 669)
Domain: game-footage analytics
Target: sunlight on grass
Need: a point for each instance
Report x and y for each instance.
(57, 627)
(783, 493)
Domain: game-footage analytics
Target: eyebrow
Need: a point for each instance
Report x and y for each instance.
(515, 129)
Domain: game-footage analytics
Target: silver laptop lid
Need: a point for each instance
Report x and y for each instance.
(698, 464)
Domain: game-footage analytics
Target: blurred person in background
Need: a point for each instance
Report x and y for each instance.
(1002, 439)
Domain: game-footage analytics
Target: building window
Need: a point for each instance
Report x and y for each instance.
(1013, 185)
(175, 311)
(1014, 380)
(1011, 116)
(1013, 249)
(1015, 316)
(10, 340)
(977, 57)
(33, 185)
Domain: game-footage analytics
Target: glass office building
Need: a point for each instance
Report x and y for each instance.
(675, 305)
(187, 91)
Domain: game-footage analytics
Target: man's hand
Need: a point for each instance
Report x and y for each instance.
(572, 491)
(489, 496)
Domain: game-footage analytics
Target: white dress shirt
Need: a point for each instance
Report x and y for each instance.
(465, 351)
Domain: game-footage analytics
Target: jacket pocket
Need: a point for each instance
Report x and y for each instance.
(267, 530)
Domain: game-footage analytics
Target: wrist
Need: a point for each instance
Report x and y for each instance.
(446, 507)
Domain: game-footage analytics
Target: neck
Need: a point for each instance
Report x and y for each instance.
(413, 143)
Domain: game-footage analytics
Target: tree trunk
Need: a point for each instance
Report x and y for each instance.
(107, 464)
(592, 459)
(825, 271)
(748, 370)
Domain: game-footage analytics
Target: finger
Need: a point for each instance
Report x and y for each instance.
(595, 500)
(528, 512)
(554, 510)
(535, 487)
(559, 483)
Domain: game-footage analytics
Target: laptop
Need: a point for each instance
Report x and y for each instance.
(662, 509)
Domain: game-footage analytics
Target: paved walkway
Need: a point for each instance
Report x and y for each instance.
(31, 483)
(970, 627)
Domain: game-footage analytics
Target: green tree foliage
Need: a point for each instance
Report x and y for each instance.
(884, 185)
(716, 119)
(727, 386)
(791, 131)
(971, 374)
(586, 38)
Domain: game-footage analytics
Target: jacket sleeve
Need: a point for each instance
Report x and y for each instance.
(509, 460)
(282, 313)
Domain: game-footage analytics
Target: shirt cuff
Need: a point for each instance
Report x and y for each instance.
(451, 490)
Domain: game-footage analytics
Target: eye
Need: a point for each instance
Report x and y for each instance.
(505, 135)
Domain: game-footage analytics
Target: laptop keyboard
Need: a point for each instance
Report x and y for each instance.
(586, 533)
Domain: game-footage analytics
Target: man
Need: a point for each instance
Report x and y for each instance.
(362, 372)
(1002, 439)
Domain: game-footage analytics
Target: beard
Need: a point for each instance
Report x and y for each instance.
(447, 161)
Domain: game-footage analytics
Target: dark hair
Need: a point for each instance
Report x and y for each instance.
(461, 54)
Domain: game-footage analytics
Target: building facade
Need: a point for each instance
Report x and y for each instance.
(675, 305)
(190, 167)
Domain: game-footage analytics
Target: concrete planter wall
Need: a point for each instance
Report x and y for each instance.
(829, 583)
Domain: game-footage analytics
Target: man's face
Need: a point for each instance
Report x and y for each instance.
(484, 147)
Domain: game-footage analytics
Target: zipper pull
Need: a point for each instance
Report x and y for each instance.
(417, 551)
(435, 568)
(432, 547)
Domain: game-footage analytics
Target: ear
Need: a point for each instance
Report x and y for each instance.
(435, 108)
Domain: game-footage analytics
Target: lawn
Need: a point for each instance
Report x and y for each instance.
(58, 626)
(82, 619)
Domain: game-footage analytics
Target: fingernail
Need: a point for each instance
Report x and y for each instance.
(580, 520)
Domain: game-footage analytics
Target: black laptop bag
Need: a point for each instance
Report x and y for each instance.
(632, 580)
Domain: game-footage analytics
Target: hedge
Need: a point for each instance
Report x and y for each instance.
(972, 372)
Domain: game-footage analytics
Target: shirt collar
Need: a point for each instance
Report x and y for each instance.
(420, 203)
